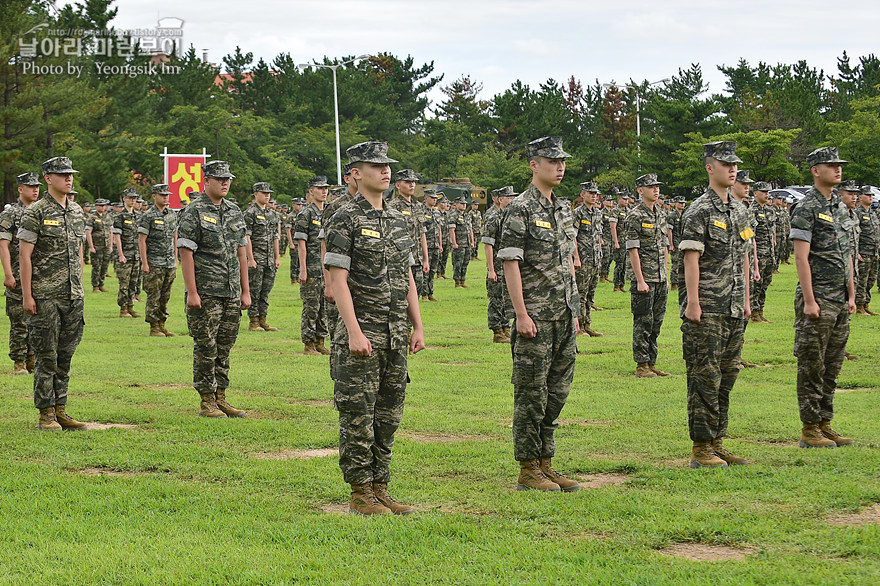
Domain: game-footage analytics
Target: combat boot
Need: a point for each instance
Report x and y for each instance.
(565, 484)
(95, 290)
(532, 478)
(673, 287)
(860, 309)
(431, 298)
(138, 299)
(29, 362)
(156, 331)
(498, 337)
(849, 356)
(380, 490)
(703, 456)
(123, 312)
(463, 286)
(595, 307)
(457, 283)
(868, 310)
(310, 350)
(266, 326)
(726, 455)
(19, 367)
(228, 410)
(592, 333)
(747, 364)
(657, 371)
(102, 289)
(838, 439)
(756, 317)
(764, 320)
(644, 371)
(812, 437)
(66, 421)
(254, 325)
(47, 421)
(165, 331)
(208, 407)
(132, 312)
(321, 348)
(364, 502)
(603, 278)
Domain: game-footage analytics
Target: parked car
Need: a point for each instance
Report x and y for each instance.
(790, 195)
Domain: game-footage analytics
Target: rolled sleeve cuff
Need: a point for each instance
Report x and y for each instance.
(243, 242)
(300, 236)
(633, 244)
(5, 236)
(510, 253)
(142, 230)
(488, 240)
(321, 234)
(692, 245)
(187, 243)
(796, 234)
(612, 220)
(88, 228)
(412, 260)
(116, 231)
(340, 261)
(27, 235)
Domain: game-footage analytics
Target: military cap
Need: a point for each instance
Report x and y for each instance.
(130, 192)
(405, 175)
(72, 192)
(762, 186)
(346, 169)
(549, 147)
(614, 191)
(372, 151)
(590, 186)
(218, 169)
(506, 191)
(102, 202)
(608, 197)
(824, 155)
(866, 190)
(431, 192)
(28, 179)
(849, 185)
(57, 165)
(317, 181)
(441, 195)
(338, 190)
(648, 180)
(743, 176)
(261, 186)
(139, 199)
(723, 150)
(161, 189)
(273, 200)
(299, 201)
(463, 198)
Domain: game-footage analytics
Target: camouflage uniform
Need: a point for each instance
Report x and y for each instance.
(214, 234)
(499, 309)
(589, 234)
(443, 220)
(125, 225)
(618, 218)
(100, 225)
(20, 346)
(477, 226)
(764, 217)
(332, 312)
(608, 246)
(461, 256)
(869, 241)
(262, 227)
(414, 213)
(160, 228)
(673, 219)
(294, 257)
(783, 228)
(432, 223)
(308, 226)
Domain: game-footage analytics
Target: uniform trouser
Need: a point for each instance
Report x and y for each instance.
(461, 257)
(368, 392)
(820, 347)
(674, 265)
(20, 346)
(607, 257)
(419, 276)
(127, 274)
(294, 264)
(758, 293)
(476, 249)
(137, 285)
(499, 309)
(157, 284)
(648, 311)
(785, 248)
(314, 311)
(55, 332)
(620, 256)
(587, 280)
(434, 265)
(867, 276)
(214, 329)
(444, 258)
(260, 281)
(100, 261)
(543, 368)
(712, 348)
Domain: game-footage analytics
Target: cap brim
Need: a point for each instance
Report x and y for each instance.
(222, 176)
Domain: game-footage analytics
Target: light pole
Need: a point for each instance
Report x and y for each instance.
(635, 88)
(335, 106)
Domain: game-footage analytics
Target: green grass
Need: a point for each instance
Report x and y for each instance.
(195, 506)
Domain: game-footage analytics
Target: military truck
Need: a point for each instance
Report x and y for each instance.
(454, 187)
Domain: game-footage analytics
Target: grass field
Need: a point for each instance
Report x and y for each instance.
(174, 498)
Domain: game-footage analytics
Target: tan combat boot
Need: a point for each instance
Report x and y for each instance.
(457, 283)
(849, 356)
(860, 309)
(595, 307)
(310, 350)
(498, 337)
(66, 421)
(95, 290)
(868, 310)
(132, 312)
(432, 298)
(592, 333)
(165, 331)
(463, 286)
(764, 320)
(838, 439)
(603, 278)
(266, 326)
(657, 371)
(364, 502)
(321, 348)
(812, 437)
(673, 287)
(703, 456)
(756, 317)
(746, 364)
(564, 483)
(30, 362)
(228, 410)
(123, 312)
(47, 421)
(254, 325)
(532, 478)
(208, 407)
(644, 371)
(506, 330)
(156, 331)
(19, 367)
(726, 455)
(102, 289)
(380, 490)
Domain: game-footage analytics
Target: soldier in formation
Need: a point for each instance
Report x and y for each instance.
(414, 212)
(477, 227)
(764, 216)
(499, 310)
(125, 236)
(311, 275)
(157, 248)
(434, 239)
(264, 256)
(588, 223)
(461, 239)
(617, 220)
(869, 241)
(99, 235)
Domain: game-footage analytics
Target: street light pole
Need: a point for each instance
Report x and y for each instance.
(635, 88)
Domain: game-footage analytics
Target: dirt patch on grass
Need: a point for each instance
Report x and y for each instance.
(701, 552)
(335, 508)
(683, 463)
(852, 390)
(586, 422)
(98, 426)
(103, 471)
(312, 403)
(601, 480)
(867, 516)
(296, 454)
(438, 438)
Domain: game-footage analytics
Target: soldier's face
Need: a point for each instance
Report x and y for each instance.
(407, 188)
(101, 209)
(741, 190)
(430, 202)
(460, 206)
(261, 197)
(724, 174)
(866, 200)
(827, 173)
(318, 193)
(60, 182)
(548, 171)
(373, 176)
(761, 197)
(161, 199)
(217, 187)
(649, 193)
(28, 193)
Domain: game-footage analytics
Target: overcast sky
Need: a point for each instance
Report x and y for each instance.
(500, 41)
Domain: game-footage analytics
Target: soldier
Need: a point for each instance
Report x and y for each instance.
(369, 263)
(157, 247)
(296, 206)
(332, 316)
(414, 212)
(125, 236)
(645, 240)
(674, 227)
(51, 239)
(443, 220)
(783, 228)
(869, 241)
(618, 217)
(764, 217)
(477, 227)
(589, 253)
(434, 238)
(461, 238)
(100, 240)
(537, 241)
(848, 193)
(283, 210)
(740, 193)
(499, 310)
(714, 304)
(607, 244)
(212, 241)
(263, 238)
(311, 275)
(21, 351)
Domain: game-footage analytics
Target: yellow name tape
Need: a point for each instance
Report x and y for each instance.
(761, 216)
(97, 221)
(866, 217)
(127, 221)
(261, 217)
(719, 224)
(209, 219)
(316, 222)
(826, 217)
(541, 224)
(51, 223)
(587, 222)
(747, 233)
(406, 212)
(159, 222)
(370, 233)
(644, 225)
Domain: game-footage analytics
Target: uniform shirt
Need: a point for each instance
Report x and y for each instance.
(308, 227)
(432, 223)
(160, 228)
(414, 214)
(606, 225)
(617, 218)
(819, 221)
(588, 235)
(743, 217)
(263, 229)
(10, 222)
(783, 225)
(539, 233)
(673, 219)
(214, 233)
(719, 232)
(869, 238)
(764, 226)
(374, 247)
(492, 234)
(476, 220)
(443, 221)
(851, 225)
(645, 230)
(100, 226)
(125, 224)
(57, 234)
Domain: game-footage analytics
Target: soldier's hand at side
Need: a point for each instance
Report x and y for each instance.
(277, 263)
(747, 312)
(693, 313)
(417, 341)
(359, 345)
(145, 268)
(668, 286)
(526, 328)
(811, 309)
(851, 306)
(455, 246)
(426, 267)
(642, 287)
(303, 277)
(9, 282)
(245, 300)
(493, 276)
(577, 263)
(193, 300)
(252, 264)
(122, 258)
(860, 258)
(92, 249)
(29, 305)
(328, 293)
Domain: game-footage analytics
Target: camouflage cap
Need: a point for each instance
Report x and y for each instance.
(549, 147)
(849, 185)
(762, 186)
(28, 179)
(405, 175)
(590, 186)
(614, 191)
(372, 151)
(261, 186)
(337, 191)
(161, 189)
(648, 180)
(57, 165)
(130, 192)
(743, 176)
(218, 169)
(298, 201)
(506, 191)
(608, 197)
(318, 181)
(346, 169)
(824, 155)
(430, 192)
(462, 199)
(866, 190)
(722, 150)
(72, 191)
(102, 202)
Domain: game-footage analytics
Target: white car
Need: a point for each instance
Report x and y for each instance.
(790, 195)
